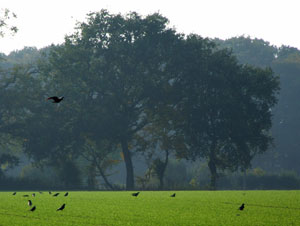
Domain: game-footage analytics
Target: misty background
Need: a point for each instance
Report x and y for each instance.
(33, 155)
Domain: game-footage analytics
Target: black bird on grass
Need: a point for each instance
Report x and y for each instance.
(50, 193)
(14, 193)
(25, 195)
(29, 203)
(62, 207)
(66, 194)
(56, 194)
(32, 209)
(55, 99)
(242, 207)
(135, 194)
(173, 195)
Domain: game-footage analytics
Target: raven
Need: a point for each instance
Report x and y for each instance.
(55, 99)
(32, 209)
(173, 195)
(62, 207)
(66, 194)
(135, 194)
(56, 194)
(14, 193)
(242, 207)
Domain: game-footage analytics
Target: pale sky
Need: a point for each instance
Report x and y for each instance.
(43, 22)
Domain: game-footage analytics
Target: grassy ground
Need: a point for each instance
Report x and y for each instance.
(153, 208)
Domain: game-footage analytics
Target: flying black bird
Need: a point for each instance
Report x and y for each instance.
(14, 193)
(25, 195)
(62, 207)
(33, 194)
(29, 203)
(242, 207)
(135, 194)
(55, 99)
(32, 209)
(173, 195)
(66, 194)
(56, 194)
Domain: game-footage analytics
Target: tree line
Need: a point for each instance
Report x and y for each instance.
(133, 85)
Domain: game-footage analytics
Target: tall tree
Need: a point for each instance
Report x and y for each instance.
(109, 71)
(226, 107)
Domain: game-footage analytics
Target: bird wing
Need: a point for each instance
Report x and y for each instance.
(52, 98)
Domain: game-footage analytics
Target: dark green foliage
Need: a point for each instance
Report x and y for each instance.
(267, 181)
(132, 84)
(255, 52)
(226, 107)
(272, 181)
(8, 161)
(285, 63)
(110, 71)
(69, 174)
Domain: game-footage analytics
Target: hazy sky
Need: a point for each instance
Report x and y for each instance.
(42, 22)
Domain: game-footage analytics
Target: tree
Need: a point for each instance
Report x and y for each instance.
(286, 123)
(7, 160)
(109, 70)
(101, 158)
(226, 107)
(284, 61)
(6, 15)
(256, 52)
(159, 139)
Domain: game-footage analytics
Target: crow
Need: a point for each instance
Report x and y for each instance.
(173, 195)
(29, 203)
(62, 207)
(66, 194)
(242, 207)
(56, 194)
(50, 193)
(135, 194)
(55, 99)
(32, 209)
(14, 193)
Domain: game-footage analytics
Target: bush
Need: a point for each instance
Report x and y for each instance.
(266, 181)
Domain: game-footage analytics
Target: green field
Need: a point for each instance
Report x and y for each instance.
(153, 208)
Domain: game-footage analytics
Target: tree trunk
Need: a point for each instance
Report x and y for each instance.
(107, 183)
(162, 175)
(128, 164)
(244, 180)
(212, 167)
(213, 174)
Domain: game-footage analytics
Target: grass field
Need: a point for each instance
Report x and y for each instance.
(153, 208)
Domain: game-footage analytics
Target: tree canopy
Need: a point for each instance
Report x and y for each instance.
(131, 83)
